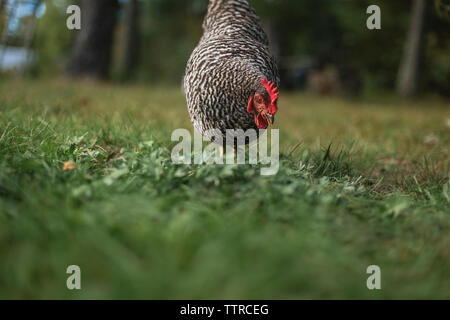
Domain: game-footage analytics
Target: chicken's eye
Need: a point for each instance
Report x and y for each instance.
(259, 100)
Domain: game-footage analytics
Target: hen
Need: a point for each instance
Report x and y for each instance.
(231, 79)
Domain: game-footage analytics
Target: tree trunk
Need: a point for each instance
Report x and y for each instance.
(2, 6)
(91, 54)
(2, 15)
(130, 42)
(409, 72)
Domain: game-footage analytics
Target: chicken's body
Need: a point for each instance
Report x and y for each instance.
(226, 68)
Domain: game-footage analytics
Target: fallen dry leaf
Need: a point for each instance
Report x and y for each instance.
(69, 166)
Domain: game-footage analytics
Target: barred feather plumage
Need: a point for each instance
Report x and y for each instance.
(226, 67)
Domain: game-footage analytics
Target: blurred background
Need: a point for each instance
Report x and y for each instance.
(321, 46)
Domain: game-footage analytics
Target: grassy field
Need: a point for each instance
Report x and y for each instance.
(142, 227)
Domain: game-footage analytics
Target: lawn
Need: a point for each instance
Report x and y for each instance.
(361, 182)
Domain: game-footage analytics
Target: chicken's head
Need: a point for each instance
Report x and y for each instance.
(263, 105)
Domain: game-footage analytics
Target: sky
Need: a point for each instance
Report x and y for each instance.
(23, 10)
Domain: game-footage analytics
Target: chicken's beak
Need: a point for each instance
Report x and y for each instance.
(270, 118)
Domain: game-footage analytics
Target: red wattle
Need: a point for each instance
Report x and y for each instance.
(261, 122)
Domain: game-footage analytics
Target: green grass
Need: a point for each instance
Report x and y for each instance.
(142, 227)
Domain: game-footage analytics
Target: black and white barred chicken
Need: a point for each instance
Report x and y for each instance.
(231, 79)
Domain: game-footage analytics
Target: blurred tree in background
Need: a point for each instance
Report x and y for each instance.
(53, 44)
(437, 49)
(129, 41)
(408, 78)
(2, 15)
(91, 53)
(323, 43)
(170, 29)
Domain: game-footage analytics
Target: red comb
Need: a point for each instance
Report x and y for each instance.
(273, 94)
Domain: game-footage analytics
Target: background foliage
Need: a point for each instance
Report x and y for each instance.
(332, 34)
